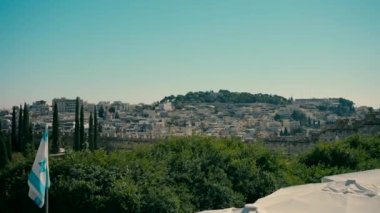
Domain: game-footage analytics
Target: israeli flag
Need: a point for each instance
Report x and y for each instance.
(38, 179)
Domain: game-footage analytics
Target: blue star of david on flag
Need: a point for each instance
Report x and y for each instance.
(42, 165)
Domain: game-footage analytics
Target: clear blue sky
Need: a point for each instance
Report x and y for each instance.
(141, 51)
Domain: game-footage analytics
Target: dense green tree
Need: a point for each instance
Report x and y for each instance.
(175, 175)
(77, 126)
(96, 128)
(30, 135)
(4, 159)
(26, 123)
(91, 133)
(352, 154)
(8, 146)
(343, 108)
(55, 134)
(286, 132)
(277, 117)
(82, 144)
(26, 133)
(7, 141)
(14, 130)
(300, 116)
(20, 138)
(101, 112)
(112, 110)
(181, 175)
(224, 96)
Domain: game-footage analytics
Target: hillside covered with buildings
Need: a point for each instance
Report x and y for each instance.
(250, 117)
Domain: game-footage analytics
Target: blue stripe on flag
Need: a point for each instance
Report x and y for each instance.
(40, 187)
(38, 201)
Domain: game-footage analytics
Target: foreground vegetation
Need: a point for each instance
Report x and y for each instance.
(180, 175)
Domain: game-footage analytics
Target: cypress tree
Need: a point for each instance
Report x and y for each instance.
(26, 133)
(55, 137)
(26, 123)
(95, 129)
(14, 130)
(20, 131)
(101, 112)
(9, 148)
(91, 133)
(3, 155)
(81, 129)
(30, 135)
(76, 133)
(25, 129)
(6, 140)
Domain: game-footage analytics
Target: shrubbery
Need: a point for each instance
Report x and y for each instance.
(180, 175)
(353, 154)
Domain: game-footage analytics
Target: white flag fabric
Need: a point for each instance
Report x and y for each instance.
(38, 178)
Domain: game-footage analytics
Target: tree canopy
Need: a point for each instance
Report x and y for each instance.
(181, 175)
(225, 96)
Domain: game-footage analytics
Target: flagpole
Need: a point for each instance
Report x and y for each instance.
(47, 177)
(47, 200)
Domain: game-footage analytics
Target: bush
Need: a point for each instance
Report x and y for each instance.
(180, 175)
(353, 154)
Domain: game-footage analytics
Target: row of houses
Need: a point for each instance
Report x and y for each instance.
(247, 121)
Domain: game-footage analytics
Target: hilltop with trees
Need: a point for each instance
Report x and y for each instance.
(224, 96)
